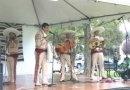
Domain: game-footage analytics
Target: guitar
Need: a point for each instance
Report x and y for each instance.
(94, 43)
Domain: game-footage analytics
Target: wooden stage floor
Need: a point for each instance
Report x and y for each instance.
(25, 82)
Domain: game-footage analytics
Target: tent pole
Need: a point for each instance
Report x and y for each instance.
(34, 7)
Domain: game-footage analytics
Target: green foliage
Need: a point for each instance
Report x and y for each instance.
(57, 31)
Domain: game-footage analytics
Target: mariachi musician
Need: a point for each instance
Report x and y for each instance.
(96, 45)
(12, 46)
(64, 50)
(41, 55)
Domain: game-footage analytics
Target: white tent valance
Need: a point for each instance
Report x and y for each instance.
(22, 11)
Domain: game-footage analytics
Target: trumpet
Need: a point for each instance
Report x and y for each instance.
(94, 43)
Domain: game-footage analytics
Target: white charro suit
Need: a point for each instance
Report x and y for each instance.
(41, 58)
(12, 55)
(65, 58)
(98, 58)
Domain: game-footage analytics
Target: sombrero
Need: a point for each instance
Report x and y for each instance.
(100, 29)
(8, 30)
(69, 34)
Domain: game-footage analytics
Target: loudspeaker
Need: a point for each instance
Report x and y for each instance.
(1, 76)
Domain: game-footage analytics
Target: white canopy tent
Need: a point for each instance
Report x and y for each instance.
(22, 11)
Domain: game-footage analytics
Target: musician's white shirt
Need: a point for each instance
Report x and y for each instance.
(12, 46)
(41, 41)
(99, 38)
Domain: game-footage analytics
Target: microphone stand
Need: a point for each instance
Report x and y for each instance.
(1, 71)
(126, 58)
(108, 72)
(52, 81)
(71, 66)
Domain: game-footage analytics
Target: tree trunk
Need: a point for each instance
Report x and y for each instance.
(87, 52)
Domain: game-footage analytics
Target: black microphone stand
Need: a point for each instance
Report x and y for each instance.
(52, 62)
(71, 66)
(1, 71)
(109, 69)
(126, 52)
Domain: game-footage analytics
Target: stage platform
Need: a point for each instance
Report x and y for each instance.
(25, 82)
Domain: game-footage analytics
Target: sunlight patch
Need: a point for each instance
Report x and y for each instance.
(121, 2)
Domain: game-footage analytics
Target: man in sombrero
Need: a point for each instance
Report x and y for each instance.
(64, 51)
(96, 46)
(12, 45)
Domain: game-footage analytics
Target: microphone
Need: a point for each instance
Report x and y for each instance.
(120, 17)
(51, 33)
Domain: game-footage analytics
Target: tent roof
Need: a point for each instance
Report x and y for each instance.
(22, 11)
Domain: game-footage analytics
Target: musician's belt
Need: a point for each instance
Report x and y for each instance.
(93, 51)
(40, 50)
(65, 53)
